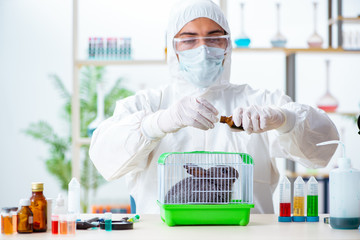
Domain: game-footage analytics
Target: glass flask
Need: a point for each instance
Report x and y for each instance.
(315, 40)
(242, 41)
(327, 102)
(278, 40)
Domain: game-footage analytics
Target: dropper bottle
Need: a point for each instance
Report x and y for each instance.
(344, 193)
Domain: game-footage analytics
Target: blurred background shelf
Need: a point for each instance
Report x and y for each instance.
(353, 20)
(107, 62)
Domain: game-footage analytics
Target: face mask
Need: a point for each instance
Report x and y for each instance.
(201, 66)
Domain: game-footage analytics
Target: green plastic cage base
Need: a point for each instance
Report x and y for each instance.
(205, 214)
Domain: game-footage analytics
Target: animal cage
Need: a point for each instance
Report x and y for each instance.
(198, 188)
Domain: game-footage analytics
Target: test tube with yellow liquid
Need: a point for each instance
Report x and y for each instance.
(299, 199)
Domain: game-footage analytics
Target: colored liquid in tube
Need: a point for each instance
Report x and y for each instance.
(312, 200)
(285, 200)
(299, 197)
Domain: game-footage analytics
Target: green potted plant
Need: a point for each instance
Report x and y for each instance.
(58, 162)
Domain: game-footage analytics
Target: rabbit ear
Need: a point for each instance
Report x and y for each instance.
(195, 170)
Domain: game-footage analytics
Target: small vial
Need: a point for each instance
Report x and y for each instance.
(108, 221)
(230, 122)
(54, 224)
(312, 200)
(71, 222)
(13, 214)
(63, 224)
(285, 200)
(25, 217)
(6, 221)
(299, 197)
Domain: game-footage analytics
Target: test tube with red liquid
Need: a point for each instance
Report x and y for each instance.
(285, 200)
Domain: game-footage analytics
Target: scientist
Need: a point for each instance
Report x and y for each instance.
(183, 115)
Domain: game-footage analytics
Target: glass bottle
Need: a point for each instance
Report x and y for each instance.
(242, 41)
(230, 122)
(25, 217)
(327, 102)
(315, 40)
(278, 40)
(38, 206)
(13, 214)
(6, 221)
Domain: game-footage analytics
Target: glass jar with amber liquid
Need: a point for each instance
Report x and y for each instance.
(25, 217)
(38, 206)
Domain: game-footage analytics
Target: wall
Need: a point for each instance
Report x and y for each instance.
(35, 41)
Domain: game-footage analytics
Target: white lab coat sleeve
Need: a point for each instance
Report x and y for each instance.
(311, 126)
(118, 145)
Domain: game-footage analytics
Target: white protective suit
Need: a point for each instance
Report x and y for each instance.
(119, 146)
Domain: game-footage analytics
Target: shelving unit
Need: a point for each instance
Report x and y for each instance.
(290, 53)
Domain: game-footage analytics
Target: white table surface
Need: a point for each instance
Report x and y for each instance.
(261, 226)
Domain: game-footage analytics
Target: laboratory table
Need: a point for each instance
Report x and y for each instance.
(261, 226)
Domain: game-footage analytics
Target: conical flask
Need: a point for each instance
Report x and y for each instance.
(242, 41)
(278, 40)
(315, 40)
(327, 102)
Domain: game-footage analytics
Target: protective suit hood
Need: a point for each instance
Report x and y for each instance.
(182, 13)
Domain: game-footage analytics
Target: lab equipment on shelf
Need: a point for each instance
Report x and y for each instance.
(25, 217)
(285, 200)
(242, 41)
(299, 200)
(38, 206)
(278, 40)
(312, 214)
(111, 48)
(327, 102)
(344, 193)
(315, 40)
(211, 188)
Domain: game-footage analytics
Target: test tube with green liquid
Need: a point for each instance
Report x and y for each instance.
(312, 200)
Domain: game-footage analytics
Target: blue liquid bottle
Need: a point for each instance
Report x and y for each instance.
(108, 221)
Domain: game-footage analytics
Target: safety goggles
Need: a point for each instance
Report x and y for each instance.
(183, 44)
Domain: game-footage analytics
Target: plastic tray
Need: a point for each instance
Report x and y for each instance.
(210, 214)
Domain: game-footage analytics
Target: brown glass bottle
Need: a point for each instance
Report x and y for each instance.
(38, 206)
(25, 217)
(230, 122)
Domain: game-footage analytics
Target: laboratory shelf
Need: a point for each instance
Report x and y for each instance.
(354, 20)
(107, 62)
(289, 51)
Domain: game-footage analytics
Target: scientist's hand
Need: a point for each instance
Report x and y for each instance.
(258, 119)
(189, 111)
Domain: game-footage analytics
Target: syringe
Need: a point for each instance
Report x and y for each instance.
(285, 200)
(299, 197)
(312, 200)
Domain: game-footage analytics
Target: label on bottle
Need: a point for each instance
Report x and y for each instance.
(30, 220)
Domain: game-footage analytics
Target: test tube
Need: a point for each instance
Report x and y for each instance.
(285, 200)
(108, 221)
(63, 224)
(71, 222)
(312, 200)
(299, 197)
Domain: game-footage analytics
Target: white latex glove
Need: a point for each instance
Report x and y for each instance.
(189, 111)
(258, 119)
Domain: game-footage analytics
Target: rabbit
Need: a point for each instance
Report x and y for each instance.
(204, 186)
